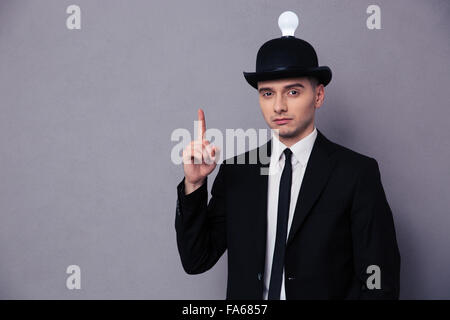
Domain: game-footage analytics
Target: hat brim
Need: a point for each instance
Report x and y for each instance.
(323, 74)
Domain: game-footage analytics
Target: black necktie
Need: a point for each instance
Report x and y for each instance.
(284, 199)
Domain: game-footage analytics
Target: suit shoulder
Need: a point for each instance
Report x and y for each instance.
(351, 158)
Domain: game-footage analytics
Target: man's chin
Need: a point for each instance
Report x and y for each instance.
(284, 132)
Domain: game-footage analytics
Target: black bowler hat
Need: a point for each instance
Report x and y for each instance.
(287, 56)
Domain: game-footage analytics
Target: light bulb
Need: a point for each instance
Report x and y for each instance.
(288, 22)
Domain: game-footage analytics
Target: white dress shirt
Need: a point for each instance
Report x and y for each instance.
(301, 151)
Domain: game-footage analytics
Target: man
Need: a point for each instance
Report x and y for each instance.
(318, 226)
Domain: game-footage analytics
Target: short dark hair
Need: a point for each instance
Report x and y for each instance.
(314, 81)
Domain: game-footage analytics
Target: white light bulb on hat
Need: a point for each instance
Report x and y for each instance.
(288, 22)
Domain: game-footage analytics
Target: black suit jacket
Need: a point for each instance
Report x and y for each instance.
(342, 224)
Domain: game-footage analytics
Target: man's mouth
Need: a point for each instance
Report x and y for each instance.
(281, 121)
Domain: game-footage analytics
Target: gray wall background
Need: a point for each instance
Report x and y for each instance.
(86, 119)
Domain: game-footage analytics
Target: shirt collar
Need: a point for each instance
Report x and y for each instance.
(301, 149)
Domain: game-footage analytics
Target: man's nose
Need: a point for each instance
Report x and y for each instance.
(280, 104)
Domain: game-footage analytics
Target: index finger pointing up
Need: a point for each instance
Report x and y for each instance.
(201, 125)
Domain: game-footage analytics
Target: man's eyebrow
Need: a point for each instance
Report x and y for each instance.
(286, 87)
(294, 85)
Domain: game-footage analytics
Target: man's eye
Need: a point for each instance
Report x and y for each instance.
(267, 93)
(294, 91)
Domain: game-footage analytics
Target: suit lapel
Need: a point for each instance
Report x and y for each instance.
(261, 199)
(315, 178)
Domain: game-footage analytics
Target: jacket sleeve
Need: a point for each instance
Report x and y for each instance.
(374, 240)
(201, 227)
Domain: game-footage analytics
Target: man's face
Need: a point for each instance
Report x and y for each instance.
(293, 99)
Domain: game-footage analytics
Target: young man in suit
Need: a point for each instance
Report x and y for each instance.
(318, 226)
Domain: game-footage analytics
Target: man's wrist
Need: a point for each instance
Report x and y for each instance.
(191, 187)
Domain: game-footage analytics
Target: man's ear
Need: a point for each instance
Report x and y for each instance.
(319, 95)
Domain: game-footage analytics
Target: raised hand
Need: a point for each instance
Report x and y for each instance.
(199, 158)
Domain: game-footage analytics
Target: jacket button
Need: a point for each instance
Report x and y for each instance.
(178, 208)
(259, 276)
